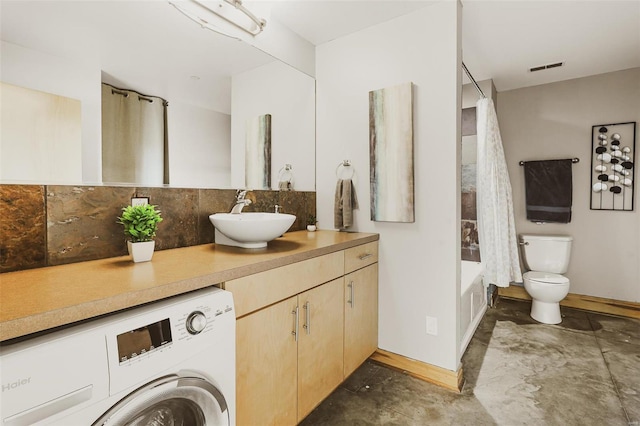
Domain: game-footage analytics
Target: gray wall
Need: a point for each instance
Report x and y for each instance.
(553, 121)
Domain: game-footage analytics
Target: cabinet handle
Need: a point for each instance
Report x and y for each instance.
(365, 256)
(307, 315)
(351, 300)
(295, 324)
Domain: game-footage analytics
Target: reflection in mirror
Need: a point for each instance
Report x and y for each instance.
(27, 146)
(133, 137)
(212, 83)
(258, 153)
(289, 97)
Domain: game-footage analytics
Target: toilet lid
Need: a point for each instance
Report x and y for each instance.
(546, 277)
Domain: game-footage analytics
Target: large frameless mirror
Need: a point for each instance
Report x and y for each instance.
(213, 85)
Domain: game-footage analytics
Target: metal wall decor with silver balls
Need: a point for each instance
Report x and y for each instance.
(613, 148)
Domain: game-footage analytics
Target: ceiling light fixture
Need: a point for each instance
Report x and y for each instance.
(230, 11)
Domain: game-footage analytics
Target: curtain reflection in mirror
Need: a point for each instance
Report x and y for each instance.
(258, 153)
(134, 137)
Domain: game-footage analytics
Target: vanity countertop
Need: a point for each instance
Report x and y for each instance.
(39, 299)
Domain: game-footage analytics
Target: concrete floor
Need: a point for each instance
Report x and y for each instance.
(585, 371)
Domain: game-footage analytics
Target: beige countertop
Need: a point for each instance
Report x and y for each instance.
(39, 299)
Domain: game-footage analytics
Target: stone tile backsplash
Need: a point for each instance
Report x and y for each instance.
(23, 227)
(44, 225)
(81, 222)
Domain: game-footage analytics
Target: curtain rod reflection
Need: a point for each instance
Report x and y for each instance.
(141, 96)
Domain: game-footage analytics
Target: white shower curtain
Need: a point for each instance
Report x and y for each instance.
(496, 224)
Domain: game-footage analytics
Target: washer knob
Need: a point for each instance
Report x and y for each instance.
(196, 322)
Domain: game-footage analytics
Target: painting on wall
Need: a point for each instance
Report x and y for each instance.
(391, 154)
(470, 245)
(258, 153)
(613, 148)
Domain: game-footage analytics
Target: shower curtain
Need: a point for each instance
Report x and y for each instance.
(496, 224)
(134, 139)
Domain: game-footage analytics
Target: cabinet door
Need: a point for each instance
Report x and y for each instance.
(320, 346)
(266, 356)
(360, 316)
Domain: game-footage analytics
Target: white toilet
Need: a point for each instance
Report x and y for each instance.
(546, 257)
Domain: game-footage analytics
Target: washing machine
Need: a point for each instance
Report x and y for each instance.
(170, 362)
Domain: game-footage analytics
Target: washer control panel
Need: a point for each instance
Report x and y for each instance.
(144, 341)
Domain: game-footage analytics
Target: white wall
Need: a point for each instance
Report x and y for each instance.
(61, 76)
(200, 147)
(278, 40)
(289, 96)
(282, 43)
(419, 262)
(553, 121)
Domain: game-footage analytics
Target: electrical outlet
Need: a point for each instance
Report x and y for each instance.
(139, 201)
(432, 326)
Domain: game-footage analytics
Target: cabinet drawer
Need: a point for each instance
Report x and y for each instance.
(256, 291)
(360, 256)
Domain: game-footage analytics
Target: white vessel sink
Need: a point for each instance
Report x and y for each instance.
(249, 230)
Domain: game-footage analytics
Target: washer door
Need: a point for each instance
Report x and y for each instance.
(170, 400)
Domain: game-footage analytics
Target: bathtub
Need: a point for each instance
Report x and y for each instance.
(473, 301)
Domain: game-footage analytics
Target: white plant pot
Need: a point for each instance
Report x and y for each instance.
(311, 228)
(141, 252)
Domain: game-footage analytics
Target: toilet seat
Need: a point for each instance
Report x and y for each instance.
(545, 277)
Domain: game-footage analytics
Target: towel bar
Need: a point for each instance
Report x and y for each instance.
(573, 160)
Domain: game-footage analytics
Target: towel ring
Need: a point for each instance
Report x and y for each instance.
(286, 172)
(345, 164)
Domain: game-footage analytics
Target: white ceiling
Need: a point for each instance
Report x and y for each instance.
(162, 48)
(323, 21)
(501, 39)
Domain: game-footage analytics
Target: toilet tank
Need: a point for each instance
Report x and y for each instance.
(546, 253)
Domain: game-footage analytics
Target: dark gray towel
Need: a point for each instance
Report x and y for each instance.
(549, 190)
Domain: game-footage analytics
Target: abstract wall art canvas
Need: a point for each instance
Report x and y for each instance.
(391, 154)
(258, 153)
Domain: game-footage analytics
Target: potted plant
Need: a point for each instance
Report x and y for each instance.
(311, 223)
(140, 226)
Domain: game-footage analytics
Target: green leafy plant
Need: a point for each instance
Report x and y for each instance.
(140, 222)
(311, 220)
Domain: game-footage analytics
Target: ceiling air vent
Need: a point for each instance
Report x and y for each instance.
(546, 67)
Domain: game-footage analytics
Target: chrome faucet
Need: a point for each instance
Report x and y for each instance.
(241, 202)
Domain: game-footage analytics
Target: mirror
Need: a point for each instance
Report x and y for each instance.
(213, 84)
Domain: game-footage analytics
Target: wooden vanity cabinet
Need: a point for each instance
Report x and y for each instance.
(320, 344)
(267, 366)
(289, 356)
(292, 353)
(360, 305)
(360, 317)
